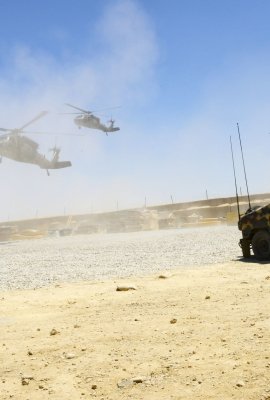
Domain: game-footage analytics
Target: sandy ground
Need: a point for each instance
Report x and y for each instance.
(191, 334)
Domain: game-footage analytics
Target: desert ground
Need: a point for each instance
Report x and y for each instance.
(182, 328)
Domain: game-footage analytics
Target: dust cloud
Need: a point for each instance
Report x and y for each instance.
(36, 81)
(156, 156)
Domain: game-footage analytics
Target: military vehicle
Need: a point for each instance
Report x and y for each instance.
(255, 223)
(255, 227)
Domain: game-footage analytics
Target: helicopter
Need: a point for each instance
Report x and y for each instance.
(21, 148)
(87, 119)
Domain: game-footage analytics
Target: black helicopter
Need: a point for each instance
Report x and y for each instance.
(23, 149)
(87, 119)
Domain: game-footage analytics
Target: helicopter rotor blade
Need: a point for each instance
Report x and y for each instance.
(77, 108)
(20, 130)
(45, 133)
(40, 115)
(69, 113)
(51, 133)
(107, 108)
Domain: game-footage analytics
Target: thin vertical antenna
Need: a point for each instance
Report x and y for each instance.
(237, 198)
(243, 164)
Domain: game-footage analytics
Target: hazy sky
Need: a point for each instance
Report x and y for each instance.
(184, 73)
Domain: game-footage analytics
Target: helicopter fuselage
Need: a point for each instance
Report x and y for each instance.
(93, 122)
(19, 148)
(23, 149)
(87, 121)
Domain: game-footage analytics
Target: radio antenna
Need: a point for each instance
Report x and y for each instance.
(243, 165)
(237, 198)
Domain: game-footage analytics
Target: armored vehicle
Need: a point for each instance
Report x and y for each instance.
(255, 227)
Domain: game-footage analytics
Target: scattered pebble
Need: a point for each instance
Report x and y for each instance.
(125, 288)
(69, 356)
(173, 321)
(124, 383)
(139, 379)
(25, 379)
(240, 384)
(54, 332)
(163, 276)
(29, 377)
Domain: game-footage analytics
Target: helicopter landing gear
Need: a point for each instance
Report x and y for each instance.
(48, 174)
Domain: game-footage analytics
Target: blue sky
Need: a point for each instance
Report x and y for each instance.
(184, 72)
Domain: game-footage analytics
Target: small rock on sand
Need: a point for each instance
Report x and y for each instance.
(54, 332)
(125, 288)
(69, 356)
(240, 384)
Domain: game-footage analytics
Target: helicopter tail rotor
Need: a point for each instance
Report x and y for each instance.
(111, 122)
(56, 151)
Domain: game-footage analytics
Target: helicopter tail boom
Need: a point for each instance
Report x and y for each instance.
(56, 165)
(110, 129)
(61, 164)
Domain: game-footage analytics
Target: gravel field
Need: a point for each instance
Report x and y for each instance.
(40, 262)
